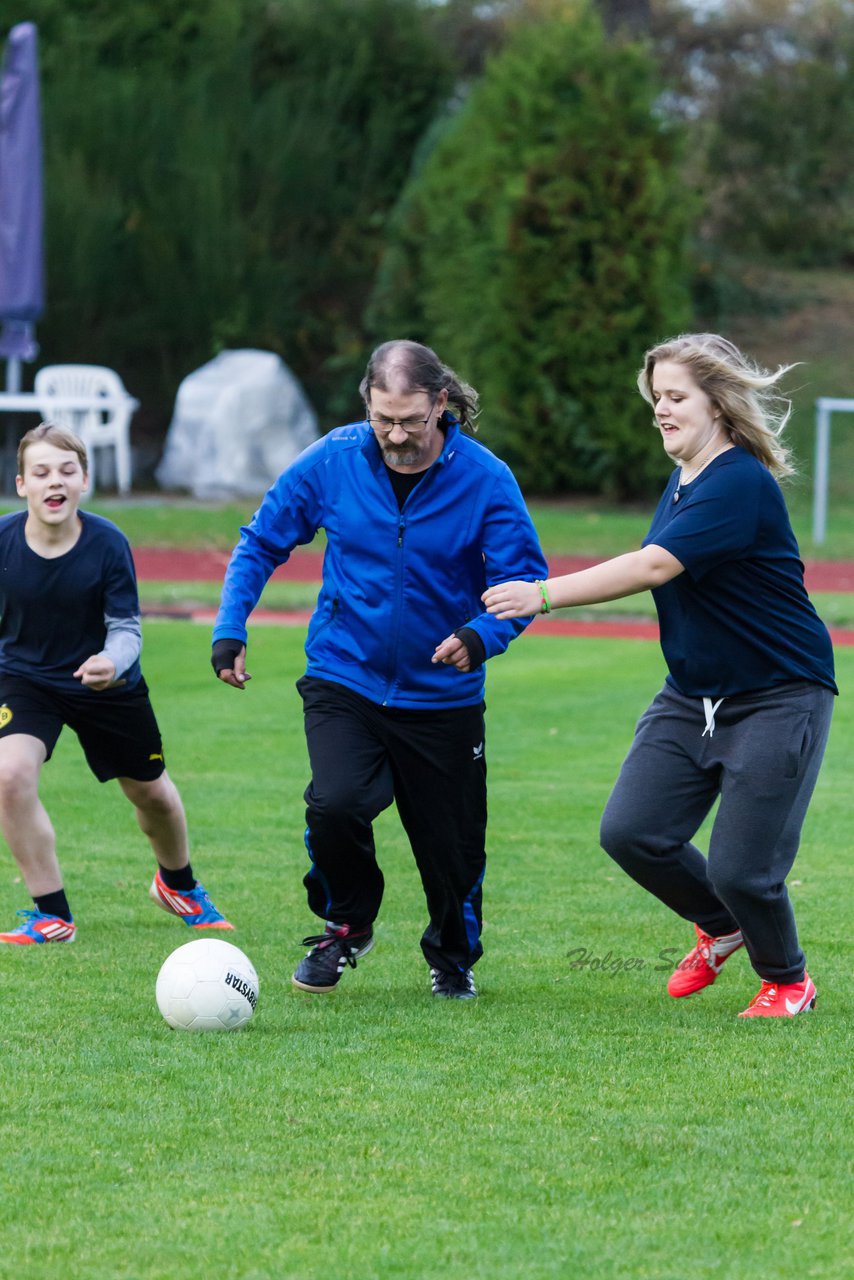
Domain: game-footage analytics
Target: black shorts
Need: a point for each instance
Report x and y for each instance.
(119, 735)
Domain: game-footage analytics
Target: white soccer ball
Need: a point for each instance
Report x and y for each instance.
(207, 985)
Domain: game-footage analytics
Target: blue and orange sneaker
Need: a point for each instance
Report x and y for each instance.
(37, 927)
(192, 905)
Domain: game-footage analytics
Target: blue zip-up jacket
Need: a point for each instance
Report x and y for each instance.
(395, 582)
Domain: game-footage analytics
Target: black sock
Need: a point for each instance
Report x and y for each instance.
(182, 880)
(54, 904)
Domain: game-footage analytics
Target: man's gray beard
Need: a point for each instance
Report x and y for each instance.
(402, 457)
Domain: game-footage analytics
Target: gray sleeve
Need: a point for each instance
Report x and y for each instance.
(124, 642)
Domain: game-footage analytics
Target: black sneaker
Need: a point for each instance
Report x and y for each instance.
(330, 954)
(456, 985)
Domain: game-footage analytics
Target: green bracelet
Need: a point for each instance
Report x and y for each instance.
(546, 606)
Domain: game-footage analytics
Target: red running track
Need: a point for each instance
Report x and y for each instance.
(167, 564)
(159, 564)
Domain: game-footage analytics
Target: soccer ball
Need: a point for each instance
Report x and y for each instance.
(207, 985)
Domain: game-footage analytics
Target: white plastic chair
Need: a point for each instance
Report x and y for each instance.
(98, 428)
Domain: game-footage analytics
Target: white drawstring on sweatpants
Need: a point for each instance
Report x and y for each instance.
(710, 708)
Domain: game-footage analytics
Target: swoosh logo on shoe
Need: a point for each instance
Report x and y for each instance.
(795, 1006)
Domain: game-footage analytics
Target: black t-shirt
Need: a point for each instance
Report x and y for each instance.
(54, 612)
(403, 482)
(739, 618)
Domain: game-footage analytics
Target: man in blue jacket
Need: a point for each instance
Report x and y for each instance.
(420, 519)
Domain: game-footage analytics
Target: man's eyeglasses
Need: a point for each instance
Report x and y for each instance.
(412, 426)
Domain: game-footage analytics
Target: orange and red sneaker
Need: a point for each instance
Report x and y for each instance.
(702, 965)
(37, 927)
(782, 1000)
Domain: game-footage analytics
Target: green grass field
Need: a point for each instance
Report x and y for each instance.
(573, 1122)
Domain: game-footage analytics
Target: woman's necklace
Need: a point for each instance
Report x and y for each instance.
(705, 459)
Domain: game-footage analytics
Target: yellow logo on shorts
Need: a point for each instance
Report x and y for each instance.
(155, 755)
(5, 716)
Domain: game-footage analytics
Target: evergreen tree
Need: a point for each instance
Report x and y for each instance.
(767, 90)
(540, 249)
(779, 173)
(219, 173)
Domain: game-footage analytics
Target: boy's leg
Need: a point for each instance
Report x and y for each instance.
(30, 836)
(161, 817)
(121, 739)
(26, 826)
(31, 721)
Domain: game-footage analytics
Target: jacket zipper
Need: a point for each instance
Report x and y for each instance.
(398, 586)
(398, 608)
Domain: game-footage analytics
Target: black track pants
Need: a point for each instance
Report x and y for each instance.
(762, 759)
(432, 765)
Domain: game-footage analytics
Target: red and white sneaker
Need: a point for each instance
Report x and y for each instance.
(782, 1000)
(36, 927)
(702, 965)
(192, 905)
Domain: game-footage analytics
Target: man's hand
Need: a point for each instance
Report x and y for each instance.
(453, 653)
(97, 672)
(228, 660)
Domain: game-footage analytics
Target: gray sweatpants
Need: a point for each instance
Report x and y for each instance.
(762, 757)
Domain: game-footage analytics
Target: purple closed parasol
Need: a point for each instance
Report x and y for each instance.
(21, 217)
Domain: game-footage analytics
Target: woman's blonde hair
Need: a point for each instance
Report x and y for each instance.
(754, 412)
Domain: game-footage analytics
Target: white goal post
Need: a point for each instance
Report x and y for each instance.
(824, 407)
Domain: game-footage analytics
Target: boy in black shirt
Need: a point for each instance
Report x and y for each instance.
(70, 641)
